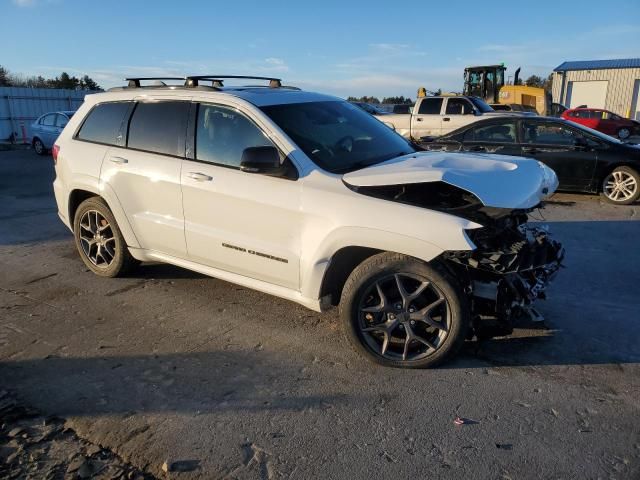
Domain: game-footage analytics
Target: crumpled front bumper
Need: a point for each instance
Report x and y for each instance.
(506, 277)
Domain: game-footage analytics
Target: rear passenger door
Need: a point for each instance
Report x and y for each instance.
(245, 223)
(144, 172)
(427, 120)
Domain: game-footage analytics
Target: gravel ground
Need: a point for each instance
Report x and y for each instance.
(211, 380)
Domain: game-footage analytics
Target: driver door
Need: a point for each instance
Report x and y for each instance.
(244, 223)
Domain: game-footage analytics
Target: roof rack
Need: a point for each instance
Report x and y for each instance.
(135, 81)
(193, 81)
(217, 80)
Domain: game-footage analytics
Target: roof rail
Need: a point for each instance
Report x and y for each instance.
(217, 80)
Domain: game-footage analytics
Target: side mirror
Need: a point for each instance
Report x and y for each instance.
(264, 160)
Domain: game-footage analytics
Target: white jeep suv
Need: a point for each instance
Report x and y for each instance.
(309, 198)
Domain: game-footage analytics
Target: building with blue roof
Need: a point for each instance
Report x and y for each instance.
(608, 84)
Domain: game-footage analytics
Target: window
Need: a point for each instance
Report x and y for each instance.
(159, 127)
(430, 106)
(496, 133)
(48, 120)
(102, 125)
(337, 136)
(458, 106)
(480, 105)
(61, 121)
(549, 134)
(222, 135)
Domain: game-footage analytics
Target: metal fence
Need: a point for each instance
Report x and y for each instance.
(19, 107)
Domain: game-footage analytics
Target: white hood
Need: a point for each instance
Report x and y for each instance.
(497, 180)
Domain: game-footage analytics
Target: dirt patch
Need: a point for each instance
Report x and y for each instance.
(36, 446)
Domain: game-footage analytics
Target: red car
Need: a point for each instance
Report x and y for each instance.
(604, 121)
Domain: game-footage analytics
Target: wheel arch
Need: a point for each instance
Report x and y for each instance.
(79, 194)
(342, 263)
(611, 167)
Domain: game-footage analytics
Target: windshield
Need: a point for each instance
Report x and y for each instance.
(481, 105)
(338, 136)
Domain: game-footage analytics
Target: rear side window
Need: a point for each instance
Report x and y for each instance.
(495, 133)
(102, 125)
(48, 120)
(430, 106)
(61, 121)
(159, 127)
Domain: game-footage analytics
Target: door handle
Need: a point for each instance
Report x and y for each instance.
(446, 119)
(119, 160)
(199, 177)
(418, 119)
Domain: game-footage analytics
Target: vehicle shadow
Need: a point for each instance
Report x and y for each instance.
(192, 382)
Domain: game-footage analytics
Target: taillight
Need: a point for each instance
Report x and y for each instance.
(54, 153)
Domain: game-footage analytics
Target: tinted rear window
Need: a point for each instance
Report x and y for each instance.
(159, 127)
(102, 125)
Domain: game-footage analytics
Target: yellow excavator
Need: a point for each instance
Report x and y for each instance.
(487, 82)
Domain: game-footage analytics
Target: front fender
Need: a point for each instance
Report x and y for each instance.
(314, 267)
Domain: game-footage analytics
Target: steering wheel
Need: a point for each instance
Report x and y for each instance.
(345, 143)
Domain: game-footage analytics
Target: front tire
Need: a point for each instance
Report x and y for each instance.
(398, 311)
(39, 147)
(621, 186)
(99, 240)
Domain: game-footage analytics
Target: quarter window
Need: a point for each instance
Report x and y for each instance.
(159, 127)
(430, 106)
(222, 135)
(495, 133)
(103, 123)
(549, 134)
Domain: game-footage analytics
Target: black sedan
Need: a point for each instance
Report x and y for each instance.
(584, 160)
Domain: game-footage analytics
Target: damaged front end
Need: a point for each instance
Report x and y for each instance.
(513, 261)
(507, 272)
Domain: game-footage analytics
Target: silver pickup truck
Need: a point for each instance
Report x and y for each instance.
(436, 116)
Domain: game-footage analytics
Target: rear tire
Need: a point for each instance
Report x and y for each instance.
(621, 186)
(39, 147)
(624, 133)
(398, 311)
(99, 240)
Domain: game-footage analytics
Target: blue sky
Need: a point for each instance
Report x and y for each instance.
(342, 47)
